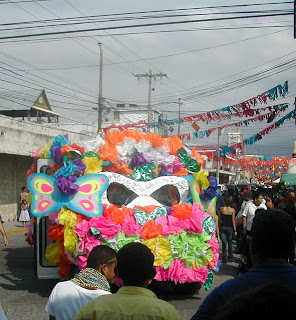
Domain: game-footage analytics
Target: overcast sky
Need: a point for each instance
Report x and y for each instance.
(68, 67)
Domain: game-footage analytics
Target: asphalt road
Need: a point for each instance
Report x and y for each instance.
(25, 296)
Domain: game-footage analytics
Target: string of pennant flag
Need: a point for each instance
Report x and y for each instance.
(268, 116)
(269, 95)
(258, 136)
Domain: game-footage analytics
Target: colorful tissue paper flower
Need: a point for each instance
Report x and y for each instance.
(213, 182)
(56, 232)
(161, 249)
(202, 178)
(115, 213)
(161, 274)
(114, 137)
(56, 155)
(182, 211)
(67, 185)
(53, 253)
(70, 239)
(53, 216)
(78, 148)
(67, 217)
(60, 141)
(196, 219)
(44, 153)
(190, 163)
(106, 226)
(108, 153)
(137, 161)
(156, 140)
(130, 226)
(93, 165)
(170, 225)
(120, 241)
(180, 274)
(208, 194)
(174, 143)
(66, 170)
(81, 166)
(150, 230)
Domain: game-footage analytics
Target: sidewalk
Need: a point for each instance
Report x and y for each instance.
(12, 227)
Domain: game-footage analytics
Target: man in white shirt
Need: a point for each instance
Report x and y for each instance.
(250, 209)
(68, 297)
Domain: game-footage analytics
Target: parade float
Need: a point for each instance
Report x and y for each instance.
(121, 187)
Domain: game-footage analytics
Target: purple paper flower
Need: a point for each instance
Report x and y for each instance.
(208, 194)
(67, 185)
(213, 182)
(80, 164)
(137, 161)
(56, 155)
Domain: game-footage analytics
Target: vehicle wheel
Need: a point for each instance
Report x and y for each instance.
(186, 288)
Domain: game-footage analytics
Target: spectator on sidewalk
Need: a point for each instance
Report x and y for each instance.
(133, 300)
(271, 244)
(2, 231)
(68, 297)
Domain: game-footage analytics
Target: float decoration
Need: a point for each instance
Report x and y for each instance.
(148, 200)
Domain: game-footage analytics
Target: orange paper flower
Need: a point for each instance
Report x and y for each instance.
(134, 134)
(150, 231)
(113, 137)
(108, 153)
(182, 211)
(115, 213)
(155, 139)
(182, 172)
(174, 143)
(56, 232)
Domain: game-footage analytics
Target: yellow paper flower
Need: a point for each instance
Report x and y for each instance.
(202, 178)
(53, 253)
(161, 249)
(70, 239)
(93, 165)
(43, 153)
(67, 217)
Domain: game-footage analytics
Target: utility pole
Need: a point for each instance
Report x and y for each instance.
(294, 19)
(100, 101)
(150, 76)
(179, 113)
(218, 156)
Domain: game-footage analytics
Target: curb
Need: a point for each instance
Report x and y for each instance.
(20, 230)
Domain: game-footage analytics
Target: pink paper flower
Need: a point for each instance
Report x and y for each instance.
(130, 226)
(106, 226)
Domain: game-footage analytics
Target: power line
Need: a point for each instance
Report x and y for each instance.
(144, 25)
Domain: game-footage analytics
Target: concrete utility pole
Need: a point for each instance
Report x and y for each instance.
(100, 101)
(179, 114)
(150, 76)
(218, 156)
(294, 19)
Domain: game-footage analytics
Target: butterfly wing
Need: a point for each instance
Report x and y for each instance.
(87, 200)
(46, 196)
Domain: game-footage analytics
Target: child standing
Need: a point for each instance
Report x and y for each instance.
(24, 216)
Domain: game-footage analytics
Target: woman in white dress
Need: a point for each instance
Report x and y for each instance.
(24, 216)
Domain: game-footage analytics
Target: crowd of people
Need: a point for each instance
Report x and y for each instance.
(263, 223)
(236, 213)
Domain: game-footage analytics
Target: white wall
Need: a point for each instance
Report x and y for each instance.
(23, 138)
(18, 140)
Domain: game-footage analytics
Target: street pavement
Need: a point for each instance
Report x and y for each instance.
(25, 296)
